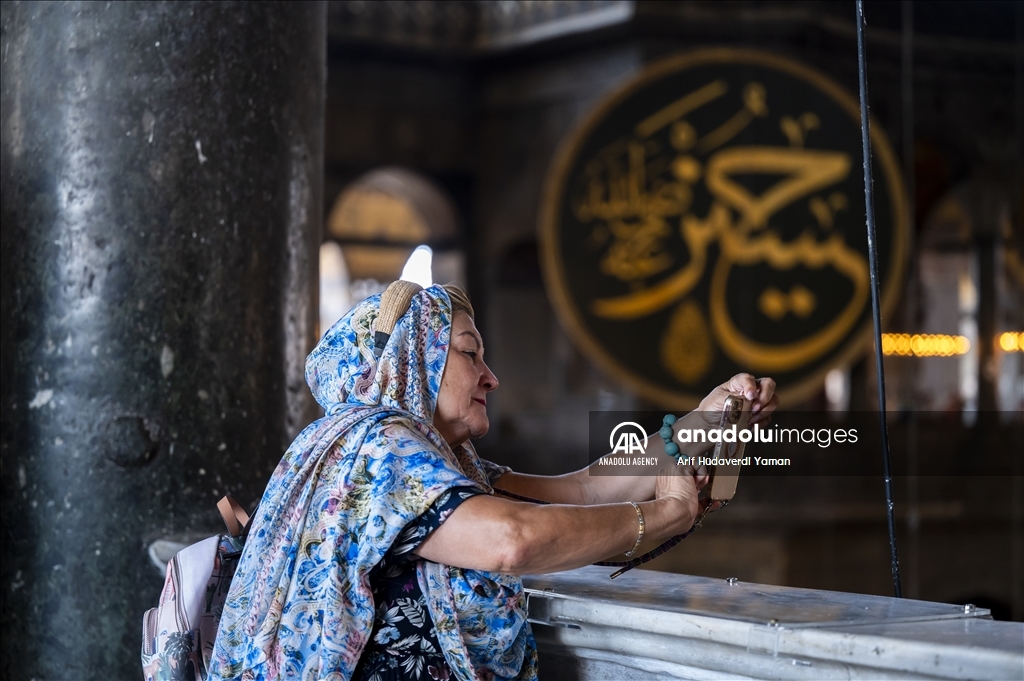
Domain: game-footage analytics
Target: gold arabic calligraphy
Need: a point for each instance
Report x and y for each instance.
(639, 193)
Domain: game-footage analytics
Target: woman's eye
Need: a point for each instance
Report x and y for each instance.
(471, 353)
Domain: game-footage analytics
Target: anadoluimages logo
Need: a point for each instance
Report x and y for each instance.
(629, 441)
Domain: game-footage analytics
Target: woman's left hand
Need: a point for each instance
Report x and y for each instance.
(760, 392)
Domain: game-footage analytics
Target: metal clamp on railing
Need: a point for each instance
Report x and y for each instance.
(539, 610)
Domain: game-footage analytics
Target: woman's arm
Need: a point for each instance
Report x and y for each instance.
(580, 487)
(488, 533)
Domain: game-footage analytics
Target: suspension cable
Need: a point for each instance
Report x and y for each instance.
(875, 306)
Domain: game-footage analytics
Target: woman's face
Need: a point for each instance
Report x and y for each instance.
(461, 411)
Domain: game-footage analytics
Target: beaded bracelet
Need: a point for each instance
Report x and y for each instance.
(671, 448)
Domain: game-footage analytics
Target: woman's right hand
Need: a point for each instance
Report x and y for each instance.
(679, 486)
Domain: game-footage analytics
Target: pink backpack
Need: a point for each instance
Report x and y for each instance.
(178, 634)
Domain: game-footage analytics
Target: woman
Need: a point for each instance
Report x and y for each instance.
(379, 550)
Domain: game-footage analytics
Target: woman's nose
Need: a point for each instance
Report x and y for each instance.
(488, 381)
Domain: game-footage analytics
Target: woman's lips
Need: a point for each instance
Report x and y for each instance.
(483, 402)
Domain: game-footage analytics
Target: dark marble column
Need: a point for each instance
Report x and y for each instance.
(161, 193)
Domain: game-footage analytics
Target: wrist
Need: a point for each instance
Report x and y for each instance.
(667, 516)
(694, 421)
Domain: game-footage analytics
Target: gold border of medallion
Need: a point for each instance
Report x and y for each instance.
(555, 184)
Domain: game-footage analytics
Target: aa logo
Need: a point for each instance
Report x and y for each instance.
(629, 441)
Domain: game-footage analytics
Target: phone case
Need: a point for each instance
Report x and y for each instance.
(723, 479)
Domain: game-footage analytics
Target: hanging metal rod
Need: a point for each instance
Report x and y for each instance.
(869, 205)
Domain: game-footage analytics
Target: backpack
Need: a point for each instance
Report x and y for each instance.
(178, 634)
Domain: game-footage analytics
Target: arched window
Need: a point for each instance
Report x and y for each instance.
(390, 223)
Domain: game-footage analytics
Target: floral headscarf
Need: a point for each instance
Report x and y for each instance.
(300, 605)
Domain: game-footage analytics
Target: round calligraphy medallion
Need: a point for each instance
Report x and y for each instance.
(708, 219)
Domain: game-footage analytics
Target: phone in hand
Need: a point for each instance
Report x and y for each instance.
(722, 479)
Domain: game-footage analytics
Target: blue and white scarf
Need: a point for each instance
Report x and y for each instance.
(300, 605)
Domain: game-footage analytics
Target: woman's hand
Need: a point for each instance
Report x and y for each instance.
(760, 392)
(678, 487)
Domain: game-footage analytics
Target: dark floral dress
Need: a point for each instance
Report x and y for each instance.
(403, 644)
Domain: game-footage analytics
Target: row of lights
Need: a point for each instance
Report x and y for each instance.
(1011, 341)
(942, 345)
(924, 344)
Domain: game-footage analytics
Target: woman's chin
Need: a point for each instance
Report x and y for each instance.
(479, 431)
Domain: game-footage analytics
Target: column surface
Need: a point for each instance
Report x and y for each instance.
(161, 192)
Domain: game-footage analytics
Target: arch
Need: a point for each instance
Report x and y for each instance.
(374, 225)
(381, 217)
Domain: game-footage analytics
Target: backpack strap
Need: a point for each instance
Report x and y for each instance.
(235, 517)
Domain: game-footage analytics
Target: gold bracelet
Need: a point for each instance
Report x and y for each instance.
(640, 533)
